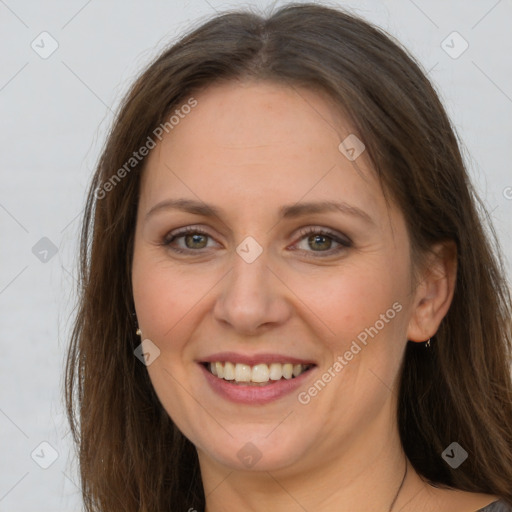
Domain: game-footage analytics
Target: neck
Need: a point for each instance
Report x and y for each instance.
(366, 473)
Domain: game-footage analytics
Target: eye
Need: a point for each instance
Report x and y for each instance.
(316, 240)
(320, 240)
(193, 238)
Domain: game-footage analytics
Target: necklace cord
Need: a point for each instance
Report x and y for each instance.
(400, 488)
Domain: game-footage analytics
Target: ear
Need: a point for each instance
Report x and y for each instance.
(434, 293)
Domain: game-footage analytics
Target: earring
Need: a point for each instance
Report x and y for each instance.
(427, 343)
(138, 332)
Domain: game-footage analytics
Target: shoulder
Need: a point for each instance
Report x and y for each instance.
(456, 500)
(496, 506)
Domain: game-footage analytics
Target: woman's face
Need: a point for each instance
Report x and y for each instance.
(270, 285)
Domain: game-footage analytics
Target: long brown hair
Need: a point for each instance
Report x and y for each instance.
(131, 455)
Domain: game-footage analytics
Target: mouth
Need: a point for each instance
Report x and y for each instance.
(260, 374)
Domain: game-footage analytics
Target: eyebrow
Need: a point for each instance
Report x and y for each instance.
(285, 212)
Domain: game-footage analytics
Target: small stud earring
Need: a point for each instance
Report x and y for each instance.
(427, 343)
(138, 332)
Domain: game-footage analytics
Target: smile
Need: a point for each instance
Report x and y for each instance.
(258, 374)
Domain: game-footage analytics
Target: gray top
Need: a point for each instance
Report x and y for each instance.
(496, 506)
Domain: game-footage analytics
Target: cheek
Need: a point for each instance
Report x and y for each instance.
(348, 300)
(362, 318)
(163, 296)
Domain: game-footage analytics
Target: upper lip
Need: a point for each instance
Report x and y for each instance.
(254, 359)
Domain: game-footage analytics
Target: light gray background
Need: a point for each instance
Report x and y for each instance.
(54, 114)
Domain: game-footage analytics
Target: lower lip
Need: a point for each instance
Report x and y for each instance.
(248, 394)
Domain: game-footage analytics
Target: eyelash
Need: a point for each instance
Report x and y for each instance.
(304, 232)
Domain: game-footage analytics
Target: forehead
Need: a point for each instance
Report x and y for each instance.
(256, 144)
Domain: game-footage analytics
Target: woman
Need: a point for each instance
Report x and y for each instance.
(288, 299)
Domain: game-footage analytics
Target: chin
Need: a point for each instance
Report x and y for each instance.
(254, 449)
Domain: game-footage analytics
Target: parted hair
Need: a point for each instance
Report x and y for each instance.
(131, 456)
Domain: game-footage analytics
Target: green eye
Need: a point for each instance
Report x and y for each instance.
(317, 241)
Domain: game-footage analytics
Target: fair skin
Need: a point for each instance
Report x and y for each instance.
(249, 149)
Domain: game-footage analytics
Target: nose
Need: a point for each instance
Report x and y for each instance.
(252, 298)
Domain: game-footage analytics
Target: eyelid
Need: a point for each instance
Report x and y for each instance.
(180, 232)
(339, 237)
(343, 241)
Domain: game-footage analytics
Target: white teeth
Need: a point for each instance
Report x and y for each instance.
(276, 371)
(229, 371)
(297, 370)
(243, 373)
(287, 370)
(259, 373)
